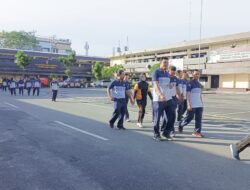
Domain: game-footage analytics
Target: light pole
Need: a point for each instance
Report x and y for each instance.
(201, 15)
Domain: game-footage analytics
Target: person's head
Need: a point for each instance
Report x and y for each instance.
(120, 75)
(143, 77)
(196, 74)
(164, 64)
(172, 70)
(180, 74)
(126, 77)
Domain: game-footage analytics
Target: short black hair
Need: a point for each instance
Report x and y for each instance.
(120, 72)
(172, 68)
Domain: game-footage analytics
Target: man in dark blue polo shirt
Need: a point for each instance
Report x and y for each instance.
(162, 100)
(194, 105)
(117, 92)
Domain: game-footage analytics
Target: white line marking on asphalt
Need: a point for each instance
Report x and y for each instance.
(81, 131)
(232, 113)
(11, 105)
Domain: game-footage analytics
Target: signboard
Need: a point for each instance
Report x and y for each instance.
(178, 63)
(229, 54)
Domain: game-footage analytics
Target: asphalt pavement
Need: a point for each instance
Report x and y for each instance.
(67, 145)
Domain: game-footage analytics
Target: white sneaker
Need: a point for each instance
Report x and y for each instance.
(139, 125)
(128, 120)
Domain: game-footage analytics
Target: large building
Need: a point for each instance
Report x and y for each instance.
(46, 64)
(53, 45)
(224, 61)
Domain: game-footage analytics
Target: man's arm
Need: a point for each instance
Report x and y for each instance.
(130, 95)
(109, 94)
(178, 92)
(158, 91)
(189, 106)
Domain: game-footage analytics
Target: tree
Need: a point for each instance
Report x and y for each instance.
(68, 62)
(18, 40)
(153, 68)
(22, 59)
(97, 70)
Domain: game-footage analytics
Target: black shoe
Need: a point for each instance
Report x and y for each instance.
(121, 128)
(157, 137)
(111, 125)
(234, 152)
(167, 136)
(180, 128)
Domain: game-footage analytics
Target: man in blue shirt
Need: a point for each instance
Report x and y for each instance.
(28, 85)
(36, 86)
(128, 86)
(182, 107)
(162, 100)
(21, 86)
(194, 105)
(117, 92)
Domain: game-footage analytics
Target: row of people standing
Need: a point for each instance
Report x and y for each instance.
(29, 84)
(169, 95)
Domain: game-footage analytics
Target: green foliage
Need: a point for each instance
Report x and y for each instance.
(109, 72)
(97, 70)
(22, 59)
(18, 40)
(68, 62)
(153, 68)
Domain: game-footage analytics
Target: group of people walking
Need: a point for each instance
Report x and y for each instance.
(29, 84)
(32, 85)
(172, 95)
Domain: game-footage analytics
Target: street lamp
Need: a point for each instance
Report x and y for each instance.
(201, 15)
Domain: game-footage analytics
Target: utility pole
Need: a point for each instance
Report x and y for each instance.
(86, 47)
(201, 15)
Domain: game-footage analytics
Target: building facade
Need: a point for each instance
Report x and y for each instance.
(46, 64)
(224, 61)
(53, 45)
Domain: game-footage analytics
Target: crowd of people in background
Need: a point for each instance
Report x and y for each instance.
(32, 85)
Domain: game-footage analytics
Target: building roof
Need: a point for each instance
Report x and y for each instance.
(193, 43)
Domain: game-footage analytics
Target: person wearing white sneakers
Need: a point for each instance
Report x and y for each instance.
(141, 90)
(237, 148)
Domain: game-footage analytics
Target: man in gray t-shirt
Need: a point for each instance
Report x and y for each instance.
(194, 105)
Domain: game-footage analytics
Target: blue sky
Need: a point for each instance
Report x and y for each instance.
(147, 23)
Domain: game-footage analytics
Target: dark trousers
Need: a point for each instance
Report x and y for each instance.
(28, 89)
(36, 90)
(120, 108)
(13, 91)
(182, 107)
(171, 123)
(142, 109)
(243, 144)
(54, 95)
(126, 113)
(165, 109)
(4, 88)
(197, 113)
(20, 90)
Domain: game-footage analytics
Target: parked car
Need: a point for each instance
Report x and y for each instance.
(101, 83)
(72, 82)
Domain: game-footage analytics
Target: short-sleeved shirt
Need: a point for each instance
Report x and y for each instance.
(195, 89)
(54, 85)
(128, 87)
(142, 89)
(183, 88)
(20, 83)
(37, 83)
(13, 84)
(174, 81)
(119, 89)
(28, 84)
(163, 79)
